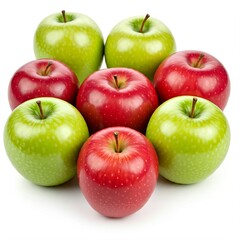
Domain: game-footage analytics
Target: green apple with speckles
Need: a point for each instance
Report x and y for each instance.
(72, 38)
(42, 138)
(191, 136)
(139, 43)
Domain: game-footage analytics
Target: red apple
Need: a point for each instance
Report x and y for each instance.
(117, 97)
(42, 78)
(117, 171)
(194, 73)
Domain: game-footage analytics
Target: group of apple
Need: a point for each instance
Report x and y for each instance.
(152, 111)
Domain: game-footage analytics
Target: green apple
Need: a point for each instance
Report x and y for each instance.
(72, 38)
(43, 137)
(139, 43)
(191, 136)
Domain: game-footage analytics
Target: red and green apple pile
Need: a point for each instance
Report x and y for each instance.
(153, 111)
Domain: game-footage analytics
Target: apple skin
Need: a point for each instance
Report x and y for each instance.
(45, 151)
(189, 149)
(104, 104)
(42, 78)
(127, 47)
(77, 43)
(117, 183)
(177, 76)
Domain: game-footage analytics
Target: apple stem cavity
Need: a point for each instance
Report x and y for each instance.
(194, 101)
(40, 109)
(47, 69)
(143, 22)
(117, 146)
(197, 64)
(64, 16)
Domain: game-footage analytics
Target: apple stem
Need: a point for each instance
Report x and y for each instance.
(116, 80)
(47, 69)
(117, 148)
(40, 109)
(197, 63)
(64, 16)
(194, 101)
(143, 22)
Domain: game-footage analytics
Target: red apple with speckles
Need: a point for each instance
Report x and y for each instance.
(42, 78)
(195, 73)
(117, 97)
(117, 171)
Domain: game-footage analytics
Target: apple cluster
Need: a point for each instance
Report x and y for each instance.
(153, 111)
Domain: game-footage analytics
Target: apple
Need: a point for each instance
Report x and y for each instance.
(43, 137)
(72, 38)
(117, 170)
(191, 136)
(139, 43)
(192, 72)
(42, 78)
(117, 97)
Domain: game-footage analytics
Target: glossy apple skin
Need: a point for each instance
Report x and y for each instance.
(189, 149)
(117, 184)
(102, 104)
(45, 151)
(77, 43)
(127, 47)
(176, 76)
(31, 81)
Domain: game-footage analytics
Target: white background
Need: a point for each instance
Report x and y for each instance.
(207, 210)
